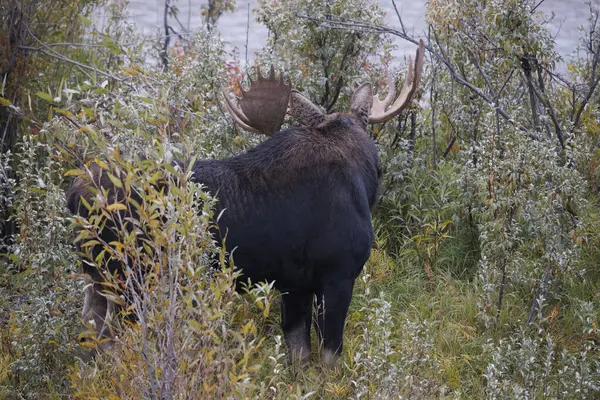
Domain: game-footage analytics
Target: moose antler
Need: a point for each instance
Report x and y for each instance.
(379, 110)
(262, 107)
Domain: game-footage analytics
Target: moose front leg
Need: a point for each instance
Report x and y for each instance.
(296, 315)
(333, 301)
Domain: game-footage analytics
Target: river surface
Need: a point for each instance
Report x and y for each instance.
(569, 15)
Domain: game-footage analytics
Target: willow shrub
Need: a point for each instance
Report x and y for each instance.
(195, 335)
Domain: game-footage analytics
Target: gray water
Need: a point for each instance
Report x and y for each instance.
(235, 26)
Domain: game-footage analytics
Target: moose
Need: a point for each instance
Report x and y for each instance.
(296, 208)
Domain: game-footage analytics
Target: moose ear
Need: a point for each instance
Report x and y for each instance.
(361, 102)
(304, 110)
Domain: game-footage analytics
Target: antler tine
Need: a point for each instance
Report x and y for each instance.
(413, 78)
(262, 107)
(379, 106)
(237, 114)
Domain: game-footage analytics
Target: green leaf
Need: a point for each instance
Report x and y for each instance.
(44, 96)
(100, 91)
(86, 21)
(169, 168)
(115, 123)
(115, 181)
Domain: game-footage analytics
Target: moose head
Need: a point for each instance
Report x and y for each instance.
(262, 108)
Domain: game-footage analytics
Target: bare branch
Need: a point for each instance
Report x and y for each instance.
(67, 44)
(462, 80)
(544, 100)
(247, 33)
(483, 74)
(61, 57)
(433, 96)
(594, 76)
(352, 24)
(164, 52)
(526, 66)
(449, 146)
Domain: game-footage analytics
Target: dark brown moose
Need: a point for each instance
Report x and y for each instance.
(297, 207)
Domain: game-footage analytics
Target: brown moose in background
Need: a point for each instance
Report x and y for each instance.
(297, 207)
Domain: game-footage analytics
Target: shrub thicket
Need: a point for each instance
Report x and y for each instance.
(483, 281)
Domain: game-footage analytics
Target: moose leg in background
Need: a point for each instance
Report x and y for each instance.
(100, 310)
(333, 300)
(95, 307)
(296, 316)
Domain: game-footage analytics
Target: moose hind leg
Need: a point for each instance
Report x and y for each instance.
(95, 307)
(98, 309)
(296, 316)
(333, 301)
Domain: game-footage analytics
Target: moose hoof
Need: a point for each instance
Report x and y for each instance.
(300, 356)
(329, 358)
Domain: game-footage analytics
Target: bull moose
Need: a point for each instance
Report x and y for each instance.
(297, 207)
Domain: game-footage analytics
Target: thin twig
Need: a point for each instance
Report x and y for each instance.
(504, 84)
(5, 131)
(399, 17)
(70, 120)
(536, 6)
(483, 74)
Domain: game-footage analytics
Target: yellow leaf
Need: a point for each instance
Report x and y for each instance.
(117, 154)
(90, 243)
(114, 298)
(195, 325)
(101, 164)
(84, 129)
(66, 113)
(74, 172)
(130, 71)
(208, 388)
(116, 206)
(88, 344)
